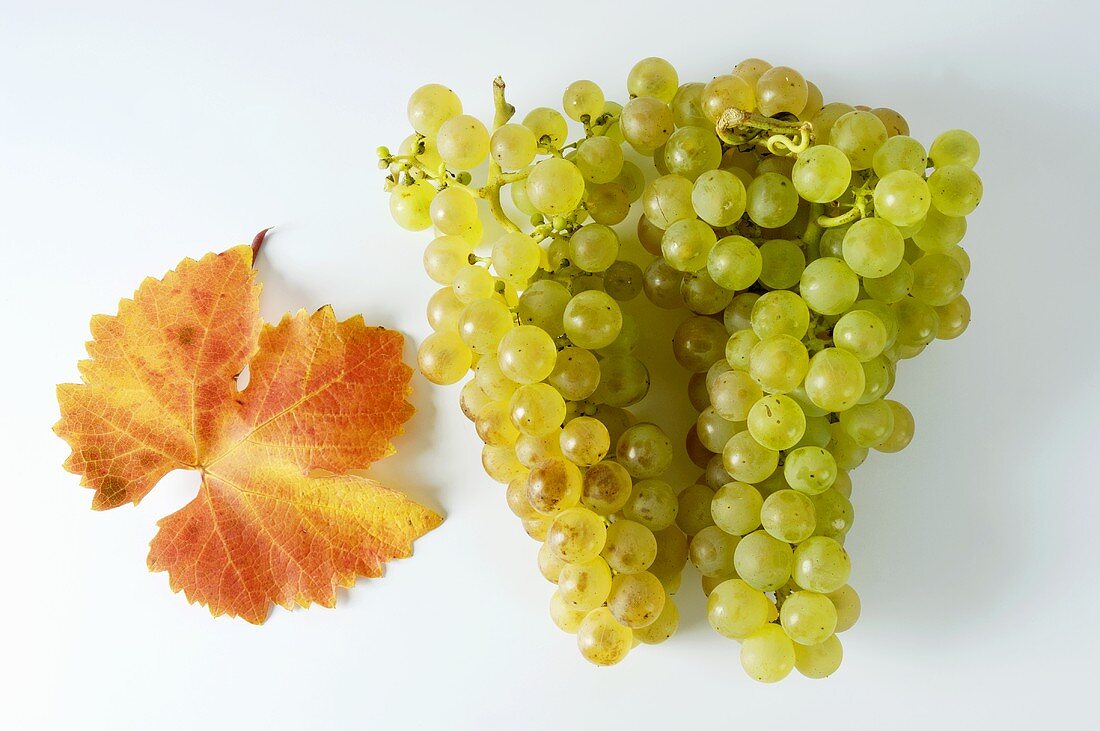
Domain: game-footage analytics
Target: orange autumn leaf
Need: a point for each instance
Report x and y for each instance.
(273, 520)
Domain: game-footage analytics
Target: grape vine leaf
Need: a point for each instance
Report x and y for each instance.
(276, 518)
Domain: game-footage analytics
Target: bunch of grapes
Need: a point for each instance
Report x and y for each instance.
(813, 246)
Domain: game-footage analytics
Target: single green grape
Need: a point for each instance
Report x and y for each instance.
(714, 430)
(736, 610)
(555, 186)
(567, 617)
(954, 317)
(527, 354)
(636, 600)
(646, 123)
(599, 159)
(873, 247)
(861, 333)
(902, 198)
(739, 347)
(892, 287)
(828, 286)
(727, 92)
(693, 514)
(576, 373)
(606, 488)
(667, 200)
(826, 118)
(858, 135)
(781, 89)
(553, 486)
(711, 551)
(956, 190)
(583, 99)
(734, 262)
(718, 196)
(577, 535)
(868, 424)
(762, 561)
(821, 174)
(821, 564)
(834, 379)
(810, 470)
(902, 433)
(771, 200)
(692, 151)
(778, 363)
(644, 450)
(687, 244)
(624, 381)
(937, 279)
(807, 617)
(900, 153)
(410, 205)
(789, 516)
(585, 584)
(735, 508)
(782, 263)
(687, 106)
(601, 639)
(592, 319)
(702, 295)
(443, 358)
(847, 604)
(780, 313)
(955, 147)
(584, 441)
(664, 626)
(548, 126)
(776, 422)
(463, 142)
(630, 547)
(653, 77)
(537, 409)
(698, 342)
(483, 323)
(513, 146)
(445, 256)
(733, 394)
(543, 306)
(516, 258)
(746, 460)
(820, 660)
(430, 106)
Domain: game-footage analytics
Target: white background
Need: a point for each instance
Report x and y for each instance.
(134, 134)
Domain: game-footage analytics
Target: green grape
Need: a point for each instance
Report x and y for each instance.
(771, 200)
(762, 561)
(583, 99)
(733, 393)
(778, 363)
(781, 89)
(644, 450)
(567, 617)
(473, 282)
(807, 617)
(536, 528)
(736, 610)
(494, 424)
(443, 358)
(739, 349)
(746, 460)
(698, 342)
(630, 547)
(959, 254)
(918, 322)
(843, 484)
(493, 380)
(693, 514)
(687, 243)
(692, 151)
(714, 431)
(810, 470)
(829, 286)
(444, 256)
(697, 390)
(902, 198)
(858, 135)
(824, 120)
(550, 564)
(444, 310)
(711, 551)
(821, 174)
(516, 258)
(687, 106)
(576, 536)
(891, 287)
(576, 373)
(832, 242)
(599, 159)
(649, 235)
(537, 409)
(956, 190)
(845, 451)
(410, 205)
(636, 600)
(592, 319)
(627, 339)
(623, 280)
(430, 106)
(653, 504)
(715, 475)
(453, 211)
(584, 441)
(718, 196)
(606, 488)
(667, 200)
(821, 564)
(727, 92)
(834, 514)
(502, 466)
(953, 318)
(518, 192)
(646, 123)
(868, 424)
(883, 312)
(814, 102)
(780, 313)
(531, 450)
(661, 628)
(553, 486)
(703, 295)
(734, 262)
(483, 324)
(513, 146)
(555, 186)
(820, 660)
(624, 381)
(548, 126)
(543, 306)
(788, 515)
(782, 263)
(585, 585)
(527, 354)
(776, 422)
(940, 233)
(463, 142)
(954, 147)
(900, 153)
(594, 247)
(736, 508)
(894, 122)
(878, 378)
(607, 203)
(834, 380)
(471, 398)
(817, 427)
(847, 604)
(861, 333)
(654, 77)
(937, 279)
(902, 433)
(873, 247)
(516, 497)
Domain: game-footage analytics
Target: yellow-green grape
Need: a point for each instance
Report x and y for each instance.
(771, 200)
(494, 424)
(917, 322)
(410, 205)
(493, 380)
(883, 312)
(892, 287)
(594, 247)
(858, 135)
(940, 233)
(585, 585)
(698, 343)
(445, 256)
(778, 363)
(555, 186)
(814, 102)
(824, 120)
(820, 660)
(776, 422)
(543, 306)
(527, 354)
(592, 319)
(667, 200)
(693, 515)
(847, 604)
(644, 450)
(453, 211)
(781, 89)
(821, 174)
(768, 654)
(616, 419)
(807, 617)
(636, 600)
(937, 279)
(444, 310)
(518, 192)
(711, 551)
(829, 286)
(516, 497)
(471, 398)
(861, 333)
(430, 106)
(550, 563)
(687, 243)
(530, 450)
(953, 318)
(630, 177)
(727, 92)
(959, 254)
(817, 427)
(902, 198)
(691, 151)
(746, 460)
(548, 126)
(789, 516)
(513, 146)
(630, 547)
(501, 465)
(584, 441)
(821, 564)
(576, 373)
(553, 486)
(739, 347)
(902, 432)
(736, 508)
(646, 123)
(687, 106)
(672, 554)
(567, 617)
(654, 77)
(718, 196)
(832, 241)
(601, 639)
(607, 203)
(868, 424)
(483, 323)
(736, 610)
(516, 258)
(663, 627)
(733, 393)
(873, 247)
(583, 99)
(779, 313)
(955, 147)
(810, 470)
(624, 381)
(652, 503)
(537, 409)
(463, 142)
(599, 159)
(751, 69)
(843, 484)
(782, 263)
(606, 488)
(834, 514)
(845, 451)
(536, 528)
(894, 122)
(473, 282)
(576, 536)
(900, 153)
(879, 379)
(956, 190)
(623, 280)
(443, 358)
(714, 430)
(834, 380)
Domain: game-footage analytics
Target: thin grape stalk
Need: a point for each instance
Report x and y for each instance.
(812, 247)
